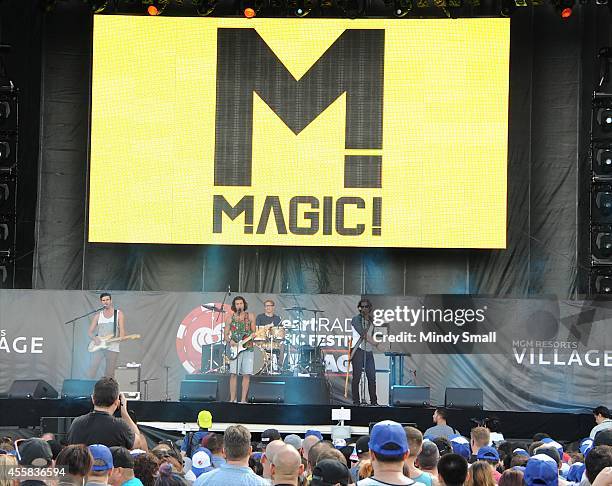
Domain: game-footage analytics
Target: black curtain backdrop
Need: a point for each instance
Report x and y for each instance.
(21, 25)
(552, 66)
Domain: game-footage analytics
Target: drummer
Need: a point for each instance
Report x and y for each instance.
(269, 317)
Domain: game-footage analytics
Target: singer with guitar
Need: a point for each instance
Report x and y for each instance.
(362, 356)
(108, 322)
(238, 326)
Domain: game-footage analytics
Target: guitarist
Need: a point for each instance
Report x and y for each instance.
(362, 356)
(239, 325)
(109, 321)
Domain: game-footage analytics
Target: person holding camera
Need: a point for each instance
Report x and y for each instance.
(100, 426)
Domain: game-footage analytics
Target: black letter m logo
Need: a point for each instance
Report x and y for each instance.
(353, 64)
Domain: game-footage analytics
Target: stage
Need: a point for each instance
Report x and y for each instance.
(297, 418)
(297, 390)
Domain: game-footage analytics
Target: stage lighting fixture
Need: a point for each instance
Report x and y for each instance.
(205, 7)
(603, 200)
(507, 8)
(156, 7)
(98, 6)
(300, 8)
(5, 150)
(602, 245)
(251, 8)
(5, 110)
(604, 118)
(603, 160)
(564, 8)
(401, 8)
(603, 284)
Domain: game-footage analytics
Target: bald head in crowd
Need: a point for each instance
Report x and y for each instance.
(307, 443)
(287, 466)
(271, 449)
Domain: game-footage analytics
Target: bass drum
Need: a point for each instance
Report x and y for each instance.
(260, 360)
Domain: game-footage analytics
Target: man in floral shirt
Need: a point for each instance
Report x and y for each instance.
(238, 326)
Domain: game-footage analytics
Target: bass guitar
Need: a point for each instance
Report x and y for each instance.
(106, 341)
(232, 352)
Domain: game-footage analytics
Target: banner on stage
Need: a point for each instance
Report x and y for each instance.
(544, 354)
(309, 132)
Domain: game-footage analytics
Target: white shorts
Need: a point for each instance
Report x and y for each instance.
(243, 365)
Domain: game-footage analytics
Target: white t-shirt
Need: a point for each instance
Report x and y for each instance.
(605, 425)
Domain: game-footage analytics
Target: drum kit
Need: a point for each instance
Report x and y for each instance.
(278, 350)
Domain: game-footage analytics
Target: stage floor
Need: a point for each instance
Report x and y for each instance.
(561, 426)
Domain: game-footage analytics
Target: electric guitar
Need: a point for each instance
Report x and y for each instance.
(107, 340)
(232, 352)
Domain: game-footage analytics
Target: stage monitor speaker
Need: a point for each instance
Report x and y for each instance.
(199, 390)
(266, 392)
(78, 388)
(410, 396)
(31, 389)
(463, 398)
(56, 425)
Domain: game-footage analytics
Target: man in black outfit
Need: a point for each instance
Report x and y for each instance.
(99, 426)
(362, 325)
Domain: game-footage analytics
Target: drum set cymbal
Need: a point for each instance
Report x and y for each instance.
(213, 308)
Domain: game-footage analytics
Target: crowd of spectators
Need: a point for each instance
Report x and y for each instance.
(102, 450)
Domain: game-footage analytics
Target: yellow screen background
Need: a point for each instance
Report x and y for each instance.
(444, 150)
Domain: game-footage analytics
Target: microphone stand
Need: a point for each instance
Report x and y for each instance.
(73, 322)
(146, 383)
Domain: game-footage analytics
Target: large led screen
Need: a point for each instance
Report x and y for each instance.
(306, 132)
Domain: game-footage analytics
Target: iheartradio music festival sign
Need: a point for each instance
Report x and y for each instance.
(544, 353)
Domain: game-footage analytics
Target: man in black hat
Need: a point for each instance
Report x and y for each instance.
(362, 449)
(330, 472)
(269, 435)
(33, 454)
(123, 468)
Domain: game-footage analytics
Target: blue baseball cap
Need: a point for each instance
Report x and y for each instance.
(585, 446)
(201, 461)
(550, 442)
(541, 470)
(102, 456)
(520, 452)
(487, 454)
(388, 439)
(460, 445)
(314, 432)
(575, 472)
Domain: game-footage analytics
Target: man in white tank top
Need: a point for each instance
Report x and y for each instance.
(103, 324)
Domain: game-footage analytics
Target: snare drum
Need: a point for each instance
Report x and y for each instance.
(276, 333)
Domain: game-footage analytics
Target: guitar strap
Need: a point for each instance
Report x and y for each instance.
(115, 323)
